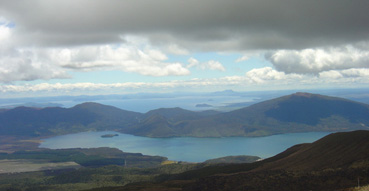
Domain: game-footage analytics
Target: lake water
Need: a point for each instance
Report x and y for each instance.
(188, 149)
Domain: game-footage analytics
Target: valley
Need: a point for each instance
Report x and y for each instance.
(333, 162)
(181, 95)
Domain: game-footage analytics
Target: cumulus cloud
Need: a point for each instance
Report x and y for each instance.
(348, 73)
(209, 65)
(18, 64)
(229, 25)
(310, 41)
(149, 62)
(33, 63)
(261, 75)
(268, 76)
(314, 61)
(24, 68)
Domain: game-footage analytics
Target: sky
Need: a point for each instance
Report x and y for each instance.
(85, 47)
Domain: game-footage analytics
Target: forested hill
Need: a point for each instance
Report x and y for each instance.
(299, 112)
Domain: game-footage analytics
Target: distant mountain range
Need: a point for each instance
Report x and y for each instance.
(299, 112)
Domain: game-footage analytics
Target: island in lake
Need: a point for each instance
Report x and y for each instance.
(203, 105)
(109, 135)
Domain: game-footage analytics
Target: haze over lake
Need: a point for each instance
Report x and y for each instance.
(188, 149)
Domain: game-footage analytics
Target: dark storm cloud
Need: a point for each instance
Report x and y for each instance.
(205, 24)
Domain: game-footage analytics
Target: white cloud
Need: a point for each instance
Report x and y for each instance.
(332, 74)
(270, 77)
(175, 49)
(209, 65)
(23, 64)
(250, 54)
(243, 58)
(33, 63)
(314, 61)
(267, 74)
(353, 73)
(4, 32)
(261, 78)
(192, 62)
(25, 68)
(214, 65)
(99, 88)
(55, 37)
(149, 62)
(356, 72)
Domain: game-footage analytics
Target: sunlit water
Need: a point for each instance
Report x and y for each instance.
(188, 149)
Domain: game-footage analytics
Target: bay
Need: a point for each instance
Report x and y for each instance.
(189, 149)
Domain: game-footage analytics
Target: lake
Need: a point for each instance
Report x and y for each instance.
(190, 149)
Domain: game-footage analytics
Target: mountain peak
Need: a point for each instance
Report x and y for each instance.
(304, 94)
(88, 104)
(311, 109)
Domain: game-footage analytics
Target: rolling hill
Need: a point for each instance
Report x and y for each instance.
(26, 121)
(299, 112)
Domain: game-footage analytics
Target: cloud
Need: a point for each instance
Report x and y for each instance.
(23, 64)
(267, 74)
(205, 25)
(310, 42)
(209, 65)
(348, 73)
(175, 49)
(24, 68)
(270, 77)
(314, 61)
(243, 58)
(33, 63)
(4, 32)
(246, 55)
(260, 78)
(148, 62)
(192, 62)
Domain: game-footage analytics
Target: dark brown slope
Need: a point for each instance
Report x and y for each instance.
(331, 163)
(337, 150)
(334, 162)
